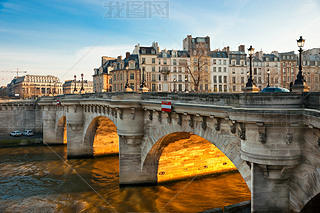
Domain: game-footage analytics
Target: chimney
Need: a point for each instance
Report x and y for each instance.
(127, 55)
(242, 48)
(119, 59)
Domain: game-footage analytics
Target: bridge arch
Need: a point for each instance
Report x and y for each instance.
(61, 131)
(101, 137)
(228, 144)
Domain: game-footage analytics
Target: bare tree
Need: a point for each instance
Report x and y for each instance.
(198, 63)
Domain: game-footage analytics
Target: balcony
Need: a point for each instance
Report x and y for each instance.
(165, 71)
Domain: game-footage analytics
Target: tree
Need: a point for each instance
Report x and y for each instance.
(198, 68)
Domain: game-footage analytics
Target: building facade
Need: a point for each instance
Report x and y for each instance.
(220, 72)
(72, 87)
(32, 86)
(237, 70)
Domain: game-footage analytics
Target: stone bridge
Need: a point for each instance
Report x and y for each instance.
(272, 139)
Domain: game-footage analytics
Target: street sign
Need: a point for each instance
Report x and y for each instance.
(166, 106)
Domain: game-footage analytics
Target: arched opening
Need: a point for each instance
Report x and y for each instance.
(182, 155)
(102, 137)
(62, 130)
(313, 205)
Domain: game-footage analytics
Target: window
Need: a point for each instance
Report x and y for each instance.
(214, 61)
(214, 69)
(220, 88)
(220, 79)
(153, 60)
(219, 62)
(132, 76)
(242, 80)
(153, 87)
(214, 79)
(159, 86)
(164, 61)
(224, 62)
(174, 62)
(143, 60)
(153, 69)
(233, 80)
(153, 77)
(234, 88)
(225, 89)
(219, 69)
(165, 78)
(206, 87)
(159, 77)
(224, 69)
(180, 87)
(132, 86)
(225, 79)
(233, 71)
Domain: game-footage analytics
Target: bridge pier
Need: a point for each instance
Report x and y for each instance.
(272, 155)
(75, 133)
(49, 125)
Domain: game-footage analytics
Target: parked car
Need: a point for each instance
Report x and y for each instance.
(15, 134)
(275, 89)
(27, 133)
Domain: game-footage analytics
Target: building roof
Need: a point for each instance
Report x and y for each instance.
(219, 54)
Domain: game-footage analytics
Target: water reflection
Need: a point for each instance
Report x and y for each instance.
(34, 179)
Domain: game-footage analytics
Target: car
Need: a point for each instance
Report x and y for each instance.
(275, 89)
(27, 133)
(15, 133)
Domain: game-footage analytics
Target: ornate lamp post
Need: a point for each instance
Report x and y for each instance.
(250, 80)
(250, 87)
(268, 72)
(75, 84)
(143, 87)
(300, 84)
(186, 84)
(127, 87)
(82, 89)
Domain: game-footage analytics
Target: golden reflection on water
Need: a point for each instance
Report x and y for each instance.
(34, 179)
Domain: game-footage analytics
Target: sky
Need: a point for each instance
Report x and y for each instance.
(68, 37)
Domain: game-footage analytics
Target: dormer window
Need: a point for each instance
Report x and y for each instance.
(143, 51)
(153, 51)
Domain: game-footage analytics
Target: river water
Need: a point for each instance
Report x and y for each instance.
(36, 179)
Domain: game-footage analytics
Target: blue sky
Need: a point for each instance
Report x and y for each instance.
(64, 38)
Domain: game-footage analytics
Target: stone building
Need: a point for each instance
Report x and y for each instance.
(179, 75)
(219, 71)
(289, 70)
(123, 71)
(101, 77)
(237, 70)
(72, 87)
(31, 86)
(271, 63)
(311, 68)
(190, 43)
(149, 64)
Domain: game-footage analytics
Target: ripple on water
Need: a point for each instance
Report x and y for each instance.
(34, 179)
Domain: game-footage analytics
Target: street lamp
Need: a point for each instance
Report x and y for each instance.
(82, 89)
(185, 87)
(250, 80)
(300, 84)
(268, 72)
(75, 84)
(142, 79)
(300, 78)
(174, 85)
(127, 87)
(143, 87)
